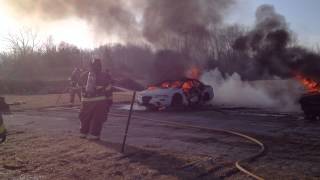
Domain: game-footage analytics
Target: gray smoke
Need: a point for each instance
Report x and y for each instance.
(131, 19)
(167, 25)
(267, 19)
(232, 90)
(270, 44)
(169, 65)
(106, 16)
(270, 28)
(183, 26)
(173, 19)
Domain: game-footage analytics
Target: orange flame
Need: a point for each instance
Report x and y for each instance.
(165, 85)
(194, 73)
(152, 88)
(309, 84)
(176, 84)
(186, 86)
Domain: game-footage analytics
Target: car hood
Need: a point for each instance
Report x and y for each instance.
(154, 92)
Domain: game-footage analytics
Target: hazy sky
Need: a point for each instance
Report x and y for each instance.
(302, 16)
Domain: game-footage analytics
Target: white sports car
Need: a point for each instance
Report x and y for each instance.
(178, 93)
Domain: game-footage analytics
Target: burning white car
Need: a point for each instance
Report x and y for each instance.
(178, 93)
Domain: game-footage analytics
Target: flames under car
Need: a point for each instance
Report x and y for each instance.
(177, 93)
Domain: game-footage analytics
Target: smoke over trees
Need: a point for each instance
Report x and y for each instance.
(172, 18)
(106, 17)
(163, 38)
(179, 19)
(270, 45)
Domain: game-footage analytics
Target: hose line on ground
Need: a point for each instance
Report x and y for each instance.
(237, 163)
(173, 124)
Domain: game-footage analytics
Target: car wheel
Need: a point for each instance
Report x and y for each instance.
(311, 117)
(151, 108)
(206, 97)
(196, 104)
(177, 101)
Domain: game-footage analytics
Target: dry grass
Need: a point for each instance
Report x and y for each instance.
(39, 156)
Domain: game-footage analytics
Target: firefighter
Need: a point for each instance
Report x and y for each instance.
(75, 89)
(3, 131)
(96, 100)
(3, 108)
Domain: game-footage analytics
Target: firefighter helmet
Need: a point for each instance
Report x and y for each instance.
(96, 65)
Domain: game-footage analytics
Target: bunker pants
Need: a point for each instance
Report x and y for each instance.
(92, 116)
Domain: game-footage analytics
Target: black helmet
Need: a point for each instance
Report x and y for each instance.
(96, 65)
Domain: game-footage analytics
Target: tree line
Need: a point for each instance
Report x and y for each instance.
(27, 59)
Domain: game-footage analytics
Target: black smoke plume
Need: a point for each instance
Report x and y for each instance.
(169, 65)
(176, 18)
(183, 26)
(270, 44)
(176, 25)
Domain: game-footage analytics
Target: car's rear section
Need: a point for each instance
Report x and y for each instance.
(208, 94)
(310, 104)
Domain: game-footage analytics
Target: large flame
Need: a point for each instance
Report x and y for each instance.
(186, 86)
(309, 84)
(192, 73)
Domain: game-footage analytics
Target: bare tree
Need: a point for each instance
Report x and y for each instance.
(23, 42)
(48, 46)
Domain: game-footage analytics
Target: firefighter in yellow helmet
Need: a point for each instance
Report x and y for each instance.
(96, 100)
(3, 108)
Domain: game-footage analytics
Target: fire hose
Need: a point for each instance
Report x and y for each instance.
(173, 124)
(68, 88)
(234, 133)
(237, 163)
